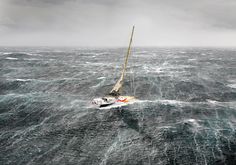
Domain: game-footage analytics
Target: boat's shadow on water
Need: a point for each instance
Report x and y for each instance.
(132, 122)
(128, 118)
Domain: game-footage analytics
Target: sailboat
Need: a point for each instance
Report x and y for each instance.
(114, 96)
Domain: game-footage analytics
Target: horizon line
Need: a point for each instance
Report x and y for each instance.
(136, 46)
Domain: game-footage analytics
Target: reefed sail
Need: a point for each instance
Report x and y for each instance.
(116, 89)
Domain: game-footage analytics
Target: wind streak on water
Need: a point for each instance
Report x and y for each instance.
(185, 113)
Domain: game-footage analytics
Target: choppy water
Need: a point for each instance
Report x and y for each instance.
(186, 113)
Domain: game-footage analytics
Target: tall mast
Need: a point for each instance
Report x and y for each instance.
(116, 89)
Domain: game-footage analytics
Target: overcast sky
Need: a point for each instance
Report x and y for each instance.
(109, 22)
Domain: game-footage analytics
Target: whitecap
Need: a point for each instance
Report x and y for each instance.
(192, 59)
(103, 53)
(101, 78)
(152, 69)
(173, 102)
(158, 70)
(211, 101)
(23, 80)
(31, 59)
(232, 85)
(11, 58)
(7, 53)
(30, 54)
(194, 122)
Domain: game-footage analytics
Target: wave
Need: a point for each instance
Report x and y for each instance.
(11, 58)
(19, 54)
(189, 114)
(232, 85)
(24, 80)
(7, 53)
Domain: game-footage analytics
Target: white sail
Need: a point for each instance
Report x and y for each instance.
(116, 89)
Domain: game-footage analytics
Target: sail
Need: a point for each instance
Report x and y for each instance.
(116, 89)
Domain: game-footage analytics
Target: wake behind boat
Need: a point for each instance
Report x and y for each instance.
(114, 96)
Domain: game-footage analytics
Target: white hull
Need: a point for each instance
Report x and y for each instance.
(109, 100)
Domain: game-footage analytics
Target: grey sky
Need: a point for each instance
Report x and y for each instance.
(109, 22)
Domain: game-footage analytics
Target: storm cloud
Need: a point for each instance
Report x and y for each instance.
(108, 22)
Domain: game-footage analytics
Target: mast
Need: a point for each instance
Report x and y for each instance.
(116, 89)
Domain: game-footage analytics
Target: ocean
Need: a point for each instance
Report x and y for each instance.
(185, 112)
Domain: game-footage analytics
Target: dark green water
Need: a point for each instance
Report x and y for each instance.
(185, 113)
